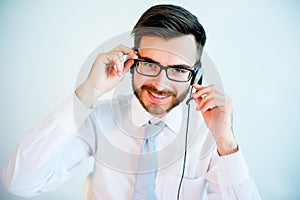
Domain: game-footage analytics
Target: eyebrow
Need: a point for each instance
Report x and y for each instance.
(173, 66)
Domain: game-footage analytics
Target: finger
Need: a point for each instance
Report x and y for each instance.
(197, 86)
(201, 91)
(125, 64)
(132, 54)
(209, 104)
(128, 64)
(115, 60)
(218, 100)
(202, 101)
(126, 50)
(121, 62)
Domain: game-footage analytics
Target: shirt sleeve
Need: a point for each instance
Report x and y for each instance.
(229, 178)
(49, 153)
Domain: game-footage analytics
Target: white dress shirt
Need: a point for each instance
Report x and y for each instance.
(49, 153)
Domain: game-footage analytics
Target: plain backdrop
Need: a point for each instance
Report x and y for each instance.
(255, 46)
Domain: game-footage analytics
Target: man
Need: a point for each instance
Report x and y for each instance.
(130, 164)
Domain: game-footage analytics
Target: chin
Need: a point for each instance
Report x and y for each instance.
(158, 110)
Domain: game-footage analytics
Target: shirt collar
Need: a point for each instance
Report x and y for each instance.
(140, 116)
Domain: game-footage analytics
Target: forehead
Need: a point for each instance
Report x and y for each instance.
(178, 50)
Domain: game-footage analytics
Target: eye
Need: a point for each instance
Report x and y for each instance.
(150, 65)
(180, 70)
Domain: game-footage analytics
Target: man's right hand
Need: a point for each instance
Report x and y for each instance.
(107, 71)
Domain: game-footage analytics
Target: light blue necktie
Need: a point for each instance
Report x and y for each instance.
(147, 166)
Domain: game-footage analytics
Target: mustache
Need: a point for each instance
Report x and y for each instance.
(152, 89)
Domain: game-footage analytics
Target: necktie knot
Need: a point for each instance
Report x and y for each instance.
(153, 128)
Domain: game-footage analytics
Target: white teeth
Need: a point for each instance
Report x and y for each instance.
(158, 96)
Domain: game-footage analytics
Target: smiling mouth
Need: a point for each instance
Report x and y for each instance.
(158, 98)
(158, 95)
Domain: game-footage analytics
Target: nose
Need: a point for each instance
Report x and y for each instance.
(161, 81)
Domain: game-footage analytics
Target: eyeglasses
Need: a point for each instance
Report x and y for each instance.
(150, 69)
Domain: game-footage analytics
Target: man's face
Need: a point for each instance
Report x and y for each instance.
(158, 95)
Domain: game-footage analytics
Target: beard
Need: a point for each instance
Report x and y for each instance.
(155, 108)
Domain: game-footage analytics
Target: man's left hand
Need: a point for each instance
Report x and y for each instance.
(216, 108)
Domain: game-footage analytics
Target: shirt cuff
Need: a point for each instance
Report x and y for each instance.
(80, 111)
(232, 169)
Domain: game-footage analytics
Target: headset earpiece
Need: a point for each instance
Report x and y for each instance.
(197, 77)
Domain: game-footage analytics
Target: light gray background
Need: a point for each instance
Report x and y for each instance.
(255, 46)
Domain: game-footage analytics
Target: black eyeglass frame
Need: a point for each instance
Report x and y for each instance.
(165, 68)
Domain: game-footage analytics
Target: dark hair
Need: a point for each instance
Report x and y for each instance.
(169, 21)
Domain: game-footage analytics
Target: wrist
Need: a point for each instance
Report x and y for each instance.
(227, 145)
(86, 95)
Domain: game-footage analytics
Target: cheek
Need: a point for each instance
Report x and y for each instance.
(182, 88)
(138, 80)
